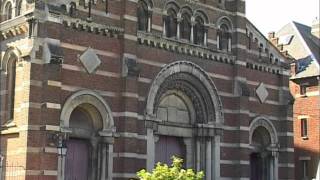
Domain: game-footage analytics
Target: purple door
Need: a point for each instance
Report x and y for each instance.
(77, 160)
(169, 146)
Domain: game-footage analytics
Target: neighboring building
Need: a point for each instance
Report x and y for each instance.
(303, 44)
(101, 89)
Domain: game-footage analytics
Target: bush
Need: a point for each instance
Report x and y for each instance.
(174, 172)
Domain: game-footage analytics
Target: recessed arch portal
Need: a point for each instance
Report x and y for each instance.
(184, 118)
(264, 142)
(87, 97)
(188, 69)
(87, 119)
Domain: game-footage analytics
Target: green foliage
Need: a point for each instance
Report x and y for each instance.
(174, 172)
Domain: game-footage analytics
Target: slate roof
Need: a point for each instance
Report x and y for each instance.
(308, 66)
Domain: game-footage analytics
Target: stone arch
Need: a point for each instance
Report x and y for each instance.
(88, 97)
(264, 144)
(186, 9)
(267, 124)
(11, 51)
(200, 13)
(171, 5)
(195, 71)
(96, 138)
(149, 3)
(224, 20)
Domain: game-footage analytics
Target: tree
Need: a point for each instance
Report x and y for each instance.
(174, 172)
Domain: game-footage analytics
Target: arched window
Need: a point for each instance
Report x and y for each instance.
(250, 39)
(224, 38)
(260, 50)
(19, 8)
(11, 82)
(199, 31)
(8, 11)
(72, 9)
(271, 58)
(185, 27)
(171, 23)
(143, 16)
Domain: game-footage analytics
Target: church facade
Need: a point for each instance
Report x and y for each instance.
(99, 89)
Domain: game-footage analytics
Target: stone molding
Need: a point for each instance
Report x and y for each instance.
(180, 47)
(266, 123)
(194, 70)
(90, 97)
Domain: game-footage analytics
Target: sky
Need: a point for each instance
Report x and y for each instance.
(271, 15)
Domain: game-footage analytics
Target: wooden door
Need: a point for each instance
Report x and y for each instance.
(169, 146)
(77, 160)
(256, 167)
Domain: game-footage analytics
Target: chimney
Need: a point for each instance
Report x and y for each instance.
(315, 30)
(293, 68)
(271, 35)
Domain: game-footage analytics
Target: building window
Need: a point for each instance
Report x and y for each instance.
(171, 23)
(143, 16)
(303, 90)
(8, 11)
(304, 168)
(72, 9)
(271, 58)
(185, 27)
(11, 81)
(304, 128)
(250, 41)
(199, 32)
(260, 50)
(18, 8)
(224, 38)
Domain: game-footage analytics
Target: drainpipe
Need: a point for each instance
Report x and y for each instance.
(1, 163)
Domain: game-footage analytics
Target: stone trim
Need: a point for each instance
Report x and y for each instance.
(91, 97)
(158, 41)
(266, 123)
(196, 71)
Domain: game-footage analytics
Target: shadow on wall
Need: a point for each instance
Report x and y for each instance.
(13, 164)
(307, 163)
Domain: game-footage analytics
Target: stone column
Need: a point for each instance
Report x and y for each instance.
(103, 164)
(205, 38)
(216, 157)
(193, 23)
(209, 159)
(229, 43)
(218, 41)
(189, 152)
(150, 149)
(164, 30)
(149, 21)
(198, 155)
(179, 19)
(275, 165)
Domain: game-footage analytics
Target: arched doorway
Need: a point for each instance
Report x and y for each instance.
(87, 119)
(263, 158)
(171, 110)
(184, 118)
